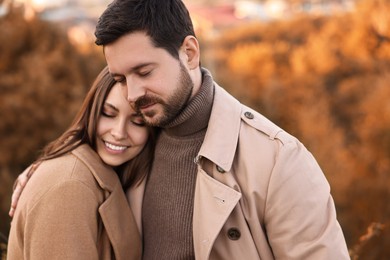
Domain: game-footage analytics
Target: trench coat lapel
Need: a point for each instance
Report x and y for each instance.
(215, 201)
(117, 217)
(213, 204)
(228, 119)
(121, 227)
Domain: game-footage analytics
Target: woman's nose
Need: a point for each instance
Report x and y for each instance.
(119, 130)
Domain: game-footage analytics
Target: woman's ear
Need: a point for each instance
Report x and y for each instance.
(190, 49)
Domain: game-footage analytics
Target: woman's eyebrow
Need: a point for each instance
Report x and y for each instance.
(111, 106)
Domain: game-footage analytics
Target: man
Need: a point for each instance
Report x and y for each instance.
(226, 183)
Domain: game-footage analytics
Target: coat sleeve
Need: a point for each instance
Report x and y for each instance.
(300, 214)
(63, 224)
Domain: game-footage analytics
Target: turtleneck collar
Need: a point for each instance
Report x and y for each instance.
(196, 114)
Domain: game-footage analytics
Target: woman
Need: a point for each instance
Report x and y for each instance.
(74, 206)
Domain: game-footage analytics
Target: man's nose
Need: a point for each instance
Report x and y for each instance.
(134, 90)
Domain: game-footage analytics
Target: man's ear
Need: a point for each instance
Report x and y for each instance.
(190, 49)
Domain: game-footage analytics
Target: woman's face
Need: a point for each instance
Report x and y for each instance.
(121, 134)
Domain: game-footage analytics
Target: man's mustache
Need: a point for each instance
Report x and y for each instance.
(145, 101)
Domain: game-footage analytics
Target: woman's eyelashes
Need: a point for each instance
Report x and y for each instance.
(107, 114)
(119, 79)
(138, 120)
(135, 120)
(109, 110)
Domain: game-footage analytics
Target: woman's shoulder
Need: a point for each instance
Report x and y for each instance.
(65, 170)
(105, 175)
(58, 180)
(81, 167)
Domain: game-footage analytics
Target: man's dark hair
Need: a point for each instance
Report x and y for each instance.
(167, 22)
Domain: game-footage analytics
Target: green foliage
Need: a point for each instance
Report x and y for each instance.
(325, 80)
(43, 80)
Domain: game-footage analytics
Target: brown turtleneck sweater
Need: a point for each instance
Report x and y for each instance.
(169, 195)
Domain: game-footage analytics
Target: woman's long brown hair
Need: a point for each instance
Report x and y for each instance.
(83, 131)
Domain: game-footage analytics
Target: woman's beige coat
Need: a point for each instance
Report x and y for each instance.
(259, 193)
(74, 207)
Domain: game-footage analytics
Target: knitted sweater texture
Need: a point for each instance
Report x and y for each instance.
(169, 195)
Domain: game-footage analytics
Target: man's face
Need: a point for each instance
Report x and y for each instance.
(155, 83)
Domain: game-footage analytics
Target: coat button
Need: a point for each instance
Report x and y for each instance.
(234, 233)
(249, 115)
(220, 169)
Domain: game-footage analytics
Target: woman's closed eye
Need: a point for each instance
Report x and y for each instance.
(107, 114)
(120, 79)
(138, 120)
(140, 124)
(109, 110)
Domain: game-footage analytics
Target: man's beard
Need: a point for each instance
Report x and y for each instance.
(173, 106)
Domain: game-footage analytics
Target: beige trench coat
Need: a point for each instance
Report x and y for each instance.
(74, 207)
(259, 193)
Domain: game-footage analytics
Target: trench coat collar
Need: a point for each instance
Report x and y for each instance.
(222, 131)
(98, 168)
(117, 217)
(211, 195)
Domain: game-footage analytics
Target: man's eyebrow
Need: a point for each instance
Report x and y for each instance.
(135, 68)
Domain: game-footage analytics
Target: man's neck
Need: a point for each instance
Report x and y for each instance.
(197, 79)
(196, 114)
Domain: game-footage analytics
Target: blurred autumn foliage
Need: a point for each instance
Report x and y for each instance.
(325, 79)
(43, 80)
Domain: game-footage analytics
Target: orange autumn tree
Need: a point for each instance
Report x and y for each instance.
(43, 79)
(325, 79)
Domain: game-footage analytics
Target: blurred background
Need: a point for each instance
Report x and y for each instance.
(318, 68)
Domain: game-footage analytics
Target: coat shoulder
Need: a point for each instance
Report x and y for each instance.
(266, 127)
(69, 167)
(57, 172)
